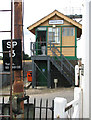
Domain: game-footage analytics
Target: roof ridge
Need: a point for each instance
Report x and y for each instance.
(59, 14)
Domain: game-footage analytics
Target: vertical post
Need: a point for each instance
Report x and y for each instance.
(76, 76)
(52, 109)
(40, 108)
(48, 73)
(34, 109)
(28, 108)
(18, 30)
(2, 106)
(78, 108)
(11, 60)
(46, 108)
(33, 74)
(18, 33)
(89, 59)
(59, 108)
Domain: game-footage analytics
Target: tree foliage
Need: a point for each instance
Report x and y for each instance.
(26, 56)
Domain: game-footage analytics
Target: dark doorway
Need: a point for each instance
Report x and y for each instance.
(41, 42)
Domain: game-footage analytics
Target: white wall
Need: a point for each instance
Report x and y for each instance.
(90, 60)
(86, 58)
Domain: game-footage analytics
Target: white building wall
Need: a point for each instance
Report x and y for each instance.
(90, 60)
(86, 55)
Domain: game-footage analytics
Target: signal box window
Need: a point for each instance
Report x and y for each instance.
(68, 31)
(54, 35)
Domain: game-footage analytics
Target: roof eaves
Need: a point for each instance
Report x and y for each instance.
(55, 12)
(41, 20)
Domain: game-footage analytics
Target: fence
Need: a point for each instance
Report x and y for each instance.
(45, 109)
(62, 109)
(38, 109)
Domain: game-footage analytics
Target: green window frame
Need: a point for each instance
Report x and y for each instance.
(54, 34)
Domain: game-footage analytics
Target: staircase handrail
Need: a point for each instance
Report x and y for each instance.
(35, 49)
(61, 61)
(61, 55)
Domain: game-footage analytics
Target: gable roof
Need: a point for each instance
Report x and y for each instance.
(55, 12)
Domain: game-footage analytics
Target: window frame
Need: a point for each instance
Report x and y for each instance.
(56, 36)
(68, 31)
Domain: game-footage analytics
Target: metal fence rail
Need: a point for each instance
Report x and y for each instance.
(43, 111)
(37, 109)
(36, 48)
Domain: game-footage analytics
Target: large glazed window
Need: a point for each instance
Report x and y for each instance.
(54, 35)
(68, 31)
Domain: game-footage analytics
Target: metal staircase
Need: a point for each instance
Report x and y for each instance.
(62, 64)
(58, 60)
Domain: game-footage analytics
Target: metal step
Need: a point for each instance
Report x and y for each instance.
(62, 71)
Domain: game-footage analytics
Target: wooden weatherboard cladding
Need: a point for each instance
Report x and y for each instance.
(66, 44)
(55, 17)
(55, 14)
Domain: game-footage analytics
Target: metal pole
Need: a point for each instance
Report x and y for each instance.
(11, 60)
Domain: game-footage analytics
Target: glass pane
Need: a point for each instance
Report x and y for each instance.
(65, 31)
(72, 31)
(50, 29)
(53, 30)
(68, 31)
(54, 34)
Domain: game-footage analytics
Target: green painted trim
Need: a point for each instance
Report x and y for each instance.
(67, 25)
(61, 40)
(64, 46)
(46, 39)
(68, 57)
(71, 57)
(56, 46)
(58, 26)
(67, 46)
(75, 41)
(36, 45)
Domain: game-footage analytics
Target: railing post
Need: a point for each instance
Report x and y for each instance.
(61, 63)
(59, 107)
(71, 75)
(34, 48)
(78, 108)
(76, 75)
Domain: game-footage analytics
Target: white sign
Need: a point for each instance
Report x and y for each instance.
(56, 22)
(42, 28)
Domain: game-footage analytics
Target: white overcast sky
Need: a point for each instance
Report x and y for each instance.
(33, 11)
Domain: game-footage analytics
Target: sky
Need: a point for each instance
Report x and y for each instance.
(34, 10)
